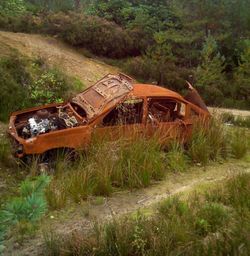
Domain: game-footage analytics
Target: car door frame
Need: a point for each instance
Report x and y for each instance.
(115, 132)
(165, 131)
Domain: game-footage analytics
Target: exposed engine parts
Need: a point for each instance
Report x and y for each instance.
(44, 121)
(37, 126)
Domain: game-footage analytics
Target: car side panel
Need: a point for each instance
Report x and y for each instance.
(78, 137)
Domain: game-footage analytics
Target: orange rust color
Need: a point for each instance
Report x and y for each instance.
(98, 102)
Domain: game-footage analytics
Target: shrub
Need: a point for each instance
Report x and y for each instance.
(14, 80)
(5, 152)
(33, 84)
(211, 217)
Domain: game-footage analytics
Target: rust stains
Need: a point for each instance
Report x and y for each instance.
(114, 107)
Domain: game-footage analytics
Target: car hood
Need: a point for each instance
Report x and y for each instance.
(104, 94)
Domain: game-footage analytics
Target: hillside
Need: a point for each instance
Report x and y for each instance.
(57, 54)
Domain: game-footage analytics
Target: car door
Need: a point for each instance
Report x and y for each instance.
(124, 120)
(166, 119)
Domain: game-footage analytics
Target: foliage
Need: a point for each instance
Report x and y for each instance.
(207, 224)
(25, 83)
(242, 74)
(168, 45)
(125, 166)
(176, 159)
(12, 7)
(239, 143)
(209, 74)
(28, 207)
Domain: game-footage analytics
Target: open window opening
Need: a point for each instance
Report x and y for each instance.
(128, 112)
(165, 110)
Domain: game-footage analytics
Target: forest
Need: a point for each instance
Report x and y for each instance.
(166, 42)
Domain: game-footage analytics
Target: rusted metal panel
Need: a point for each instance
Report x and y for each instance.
(107, 91)
(39, 129)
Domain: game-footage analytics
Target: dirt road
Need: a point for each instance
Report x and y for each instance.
(58, 54)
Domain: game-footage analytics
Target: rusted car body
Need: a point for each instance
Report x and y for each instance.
(113, 107)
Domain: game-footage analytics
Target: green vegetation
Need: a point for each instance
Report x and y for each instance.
(240, 121)
(29, 82)
(214, 222)
(167, 42)
(125, 166)
(23, 212)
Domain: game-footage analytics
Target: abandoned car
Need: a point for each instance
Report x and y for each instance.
(114, 106)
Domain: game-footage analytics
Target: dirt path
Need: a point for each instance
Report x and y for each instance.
(127, 202)
(235, 112)
(58, 54)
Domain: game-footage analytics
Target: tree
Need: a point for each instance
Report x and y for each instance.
(242, 75)
(162, 60)
(209, 74)
(12, 7)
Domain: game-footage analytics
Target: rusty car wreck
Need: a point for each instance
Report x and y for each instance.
(114, 106)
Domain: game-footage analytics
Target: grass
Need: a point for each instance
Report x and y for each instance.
(138, 164)
(125, 166)
(239, 143)
(240, 121)
(215, 222)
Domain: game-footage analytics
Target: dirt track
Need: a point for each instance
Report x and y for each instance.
(75, 219)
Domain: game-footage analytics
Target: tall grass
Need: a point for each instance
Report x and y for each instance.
(212, 223)
(209, 141)
(239, 143)
(121, 164)
(176, 159)
(107, 165)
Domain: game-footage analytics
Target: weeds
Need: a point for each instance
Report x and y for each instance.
(176, 158)
(239, 143)
(211, 224)
(236, 120)
(5, 152)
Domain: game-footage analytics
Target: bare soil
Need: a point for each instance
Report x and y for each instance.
(57, 54)
(235, 112)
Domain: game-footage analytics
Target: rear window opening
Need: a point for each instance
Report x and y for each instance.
(165, 110)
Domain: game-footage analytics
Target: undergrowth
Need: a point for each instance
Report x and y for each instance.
(108, 166)
(26, 82)
(215, 222)
(20, 215)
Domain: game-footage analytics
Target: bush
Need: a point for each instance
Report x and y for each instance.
(25, 83)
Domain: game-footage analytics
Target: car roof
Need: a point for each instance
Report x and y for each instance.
(147, 90)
